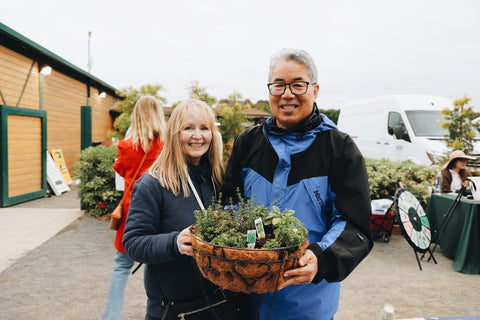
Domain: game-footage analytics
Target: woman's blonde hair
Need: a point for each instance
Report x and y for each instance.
(148, 123)
(170, 168)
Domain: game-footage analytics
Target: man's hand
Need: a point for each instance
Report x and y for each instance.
(304, 273)
(184, 243)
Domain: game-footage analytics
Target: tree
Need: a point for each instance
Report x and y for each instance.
(332, 114)
(197, 92)
(262, 105)
(231, 125)
(235, 97)
(125, 107)
(232, 99)
(461, 130)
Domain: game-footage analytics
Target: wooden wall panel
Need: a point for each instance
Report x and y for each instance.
(24, 154)
(14, 70)
(63, 98)
(101, 120)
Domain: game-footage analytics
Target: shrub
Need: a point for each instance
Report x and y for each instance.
(384, 175)
(97, 180)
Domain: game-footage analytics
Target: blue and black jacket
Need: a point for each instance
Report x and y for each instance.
(319, 172)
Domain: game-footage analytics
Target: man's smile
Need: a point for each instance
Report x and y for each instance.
(289, 107)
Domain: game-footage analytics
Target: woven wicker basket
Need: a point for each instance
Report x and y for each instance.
(245, 270)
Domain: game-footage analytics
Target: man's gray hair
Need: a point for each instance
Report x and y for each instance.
(297, 55)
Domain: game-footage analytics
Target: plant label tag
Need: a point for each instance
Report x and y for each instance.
(251, 238)
(259, 227)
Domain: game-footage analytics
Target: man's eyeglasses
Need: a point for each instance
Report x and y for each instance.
(298, 88)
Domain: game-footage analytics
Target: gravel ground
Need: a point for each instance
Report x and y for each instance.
(390, 274)
(67, 278)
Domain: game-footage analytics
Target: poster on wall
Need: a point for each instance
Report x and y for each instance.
(61, 165)
(55, 178)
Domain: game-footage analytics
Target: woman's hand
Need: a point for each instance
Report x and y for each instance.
(184, 243)
(304, 273)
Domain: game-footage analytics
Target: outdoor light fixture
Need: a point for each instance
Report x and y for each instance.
(102, 94)
(46, 70)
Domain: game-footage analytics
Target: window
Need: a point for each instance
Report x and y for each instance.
(426, 123)
(394, 120)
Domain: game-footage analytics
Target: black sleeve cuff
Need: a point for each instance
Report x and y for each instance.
(325, 264)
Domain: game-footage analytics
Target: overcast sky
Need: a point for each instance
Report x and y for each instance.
(362, 48)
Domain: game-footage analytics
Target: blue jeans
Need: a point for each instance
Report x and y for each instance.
(118, 280)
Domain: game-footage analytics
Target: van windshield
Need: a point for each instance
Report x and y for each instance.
(426, 123)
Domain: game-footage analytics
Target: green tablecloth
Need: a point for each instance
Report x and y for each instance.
(462, 235)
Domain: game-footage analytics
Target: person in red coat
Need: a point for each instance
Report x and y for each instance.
(145, 135)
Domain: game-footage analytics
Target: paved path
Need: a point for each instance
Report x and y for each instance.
(66, 277)
(24, 229)
(59, 262)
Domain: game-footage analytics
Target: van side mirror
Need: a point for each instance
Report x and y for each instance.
(390, 130)
(401, 133)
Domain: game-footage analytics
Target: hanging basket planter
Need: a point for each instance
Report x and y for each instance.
(247, 247)
(245, 270)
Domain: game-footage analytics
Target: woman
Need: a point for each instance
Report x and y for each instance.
(146, 137)
(162, 210)
(454, 172)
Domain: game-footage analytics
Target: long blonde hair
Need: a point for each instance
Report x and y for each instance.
(148, 123)
(170, 168)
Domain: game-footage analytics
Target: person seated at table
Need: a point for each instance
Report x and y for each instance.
(454, 172)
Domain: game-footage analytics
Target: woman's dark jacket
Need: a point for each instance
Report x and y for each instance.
(154, 221)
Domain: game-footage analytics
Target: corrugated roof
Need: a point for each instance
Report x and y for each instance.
(15, 41)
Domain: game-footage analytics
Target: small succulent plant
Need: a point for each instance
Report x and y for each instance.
(228, 226)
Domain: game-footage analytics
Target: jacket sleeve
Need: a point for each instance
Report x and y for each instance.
(446, 181)
(119, 165)
(349, 182)
(142, 239)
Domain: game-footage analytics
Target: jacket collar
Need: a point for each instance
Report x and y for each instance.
(200, 173)
(310, 123)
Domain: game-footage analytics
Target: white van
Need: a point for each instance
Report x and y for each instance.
(397, 127)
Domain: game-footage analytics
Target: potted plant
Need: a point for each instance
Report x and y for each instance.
(226, 256)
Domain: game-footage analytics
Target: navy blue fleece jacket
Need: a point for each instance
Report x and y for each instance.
(154, 221)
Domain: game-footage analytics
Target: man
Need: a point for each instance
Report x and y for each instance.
(300, 159)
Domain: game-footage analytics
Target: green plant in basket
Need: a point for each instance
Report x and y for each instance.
(229, 226)
(288, 230)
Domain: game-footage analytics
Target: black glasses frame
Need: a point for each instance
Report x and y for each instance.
(269, 86)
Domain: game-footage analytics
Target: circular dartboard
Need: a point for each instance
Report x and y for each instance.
(413, 220)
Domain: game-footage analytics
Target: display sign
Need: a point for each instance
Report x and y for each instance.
(55, 178)
(119, 182)
(62, 166)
